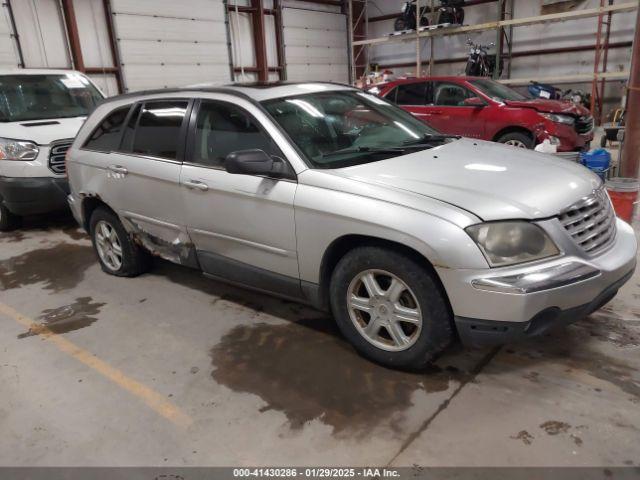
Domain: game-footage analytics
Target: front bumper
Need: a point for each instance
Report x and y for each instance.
(570, 140)
(489, 310)
(34, 195)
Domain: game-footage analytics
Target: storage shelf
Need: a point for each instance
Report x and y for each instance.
(516, 22)
(587, 77)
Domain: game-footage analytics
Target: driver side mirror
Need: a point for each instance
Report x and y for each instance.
(257, 162)
(474, 102)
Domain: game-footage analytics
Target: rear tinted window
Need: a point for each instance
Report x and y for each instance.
(412, 94)
(158, 131)
(107, 136)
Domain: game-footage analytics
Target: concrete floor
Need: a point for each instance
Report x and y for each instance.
(173, 369)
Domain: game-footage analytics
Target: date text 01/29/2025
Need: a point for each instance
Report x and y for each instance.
(321, 472)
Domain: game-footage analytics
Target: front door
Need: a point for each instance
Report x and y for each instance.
(449, 114)
(242, 226)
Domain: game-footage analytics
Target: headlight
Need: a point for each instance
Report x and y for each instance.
(564, 119)
(507, 243)
(17, 150)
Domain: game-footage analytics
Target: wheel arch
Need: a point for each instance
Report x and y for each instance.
(89, 204)
(339, 247)
(513, 129)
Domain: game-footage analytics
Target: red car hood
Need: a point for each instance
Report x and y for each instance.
(550, 106)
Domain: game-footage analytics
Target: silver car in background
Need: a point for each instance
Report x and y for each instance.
(328, 195)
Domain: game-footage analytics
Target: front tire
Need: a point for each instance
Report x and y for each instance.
(517, 139)
(8, 221)
(117, 253)
(390, 307)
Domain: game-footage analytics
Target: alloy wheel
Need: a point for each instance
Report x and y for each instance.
(108, 245)
(515, 143)
(384, 310)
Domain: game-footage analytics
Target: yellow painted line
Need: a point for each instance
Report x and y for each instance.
(149, 397)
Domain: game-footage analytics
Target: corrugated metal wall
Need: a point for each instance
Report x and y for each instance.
(315, 45)
(94, 42)
(43, 37)
(167, 43)
(9, 57)
(164, 43)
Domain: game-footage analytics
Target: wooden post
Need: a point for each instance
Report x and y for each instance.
(259, 42)
(74, 37)
(631, 147)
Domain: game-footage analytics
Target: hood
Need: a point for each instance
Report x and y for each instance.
(550, 106)
(490, 180)
(42, 132)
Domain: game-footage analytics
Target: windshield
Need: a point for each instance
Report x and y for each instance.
(342, 128)
(40, 97)
(497, 91)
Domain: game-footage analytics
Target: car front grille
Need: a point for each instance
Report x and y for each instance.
(57, 156)
(584, 125)
(591, 222)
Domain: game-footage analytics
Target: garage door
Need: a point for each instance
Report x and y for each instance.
(163, 44)
(8, 53)
(315, 45)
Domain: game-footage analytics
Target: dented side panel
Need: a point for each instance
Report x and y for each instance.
(145, 193)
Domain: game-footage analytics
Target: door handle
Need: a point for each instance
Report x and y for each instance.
(196, 184)
(436, 112)
(118, 169)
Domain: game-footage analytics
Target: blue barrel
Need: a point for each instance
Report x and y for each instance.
(598, 161)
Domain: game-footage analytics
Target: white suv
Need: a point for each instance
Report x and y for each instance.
(40, 113)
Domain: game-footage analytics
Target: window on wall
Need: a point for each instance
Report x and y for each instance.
(157, 133)
(107, 136)
(412, 94)
(222, 128)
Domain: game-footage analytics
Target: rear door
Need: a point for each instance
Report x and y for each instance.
(414, 98)
(243, 226)
(449, 114)
(143, 175)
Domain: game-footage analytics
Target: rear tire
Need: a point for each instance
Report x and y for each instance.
(117, 253)
(400, 24)
(517, 139)
(412, 321)
(8, 221)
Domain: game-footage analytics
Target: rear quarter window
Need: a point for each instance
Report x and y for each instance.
(106, 136)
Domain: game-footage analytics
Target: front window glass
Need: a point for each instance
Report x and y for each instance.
(41, 97)
(222, 128)
(341, 128)
(450, 95)
(497, 91)
(158, 131)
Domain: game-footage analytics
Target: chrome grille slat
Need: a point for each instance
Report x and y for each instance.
(594, 221)
(57, 154)
(590, 222)
(584, 125)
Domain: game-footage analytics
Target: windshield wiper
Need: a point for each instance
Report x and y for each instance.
(430, 137)
(347, 151)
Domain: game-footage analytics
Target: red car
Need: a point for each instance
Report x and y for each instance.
(482, 108)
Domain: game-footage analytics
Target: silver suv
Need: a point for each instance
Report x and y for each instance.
(328, 195)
